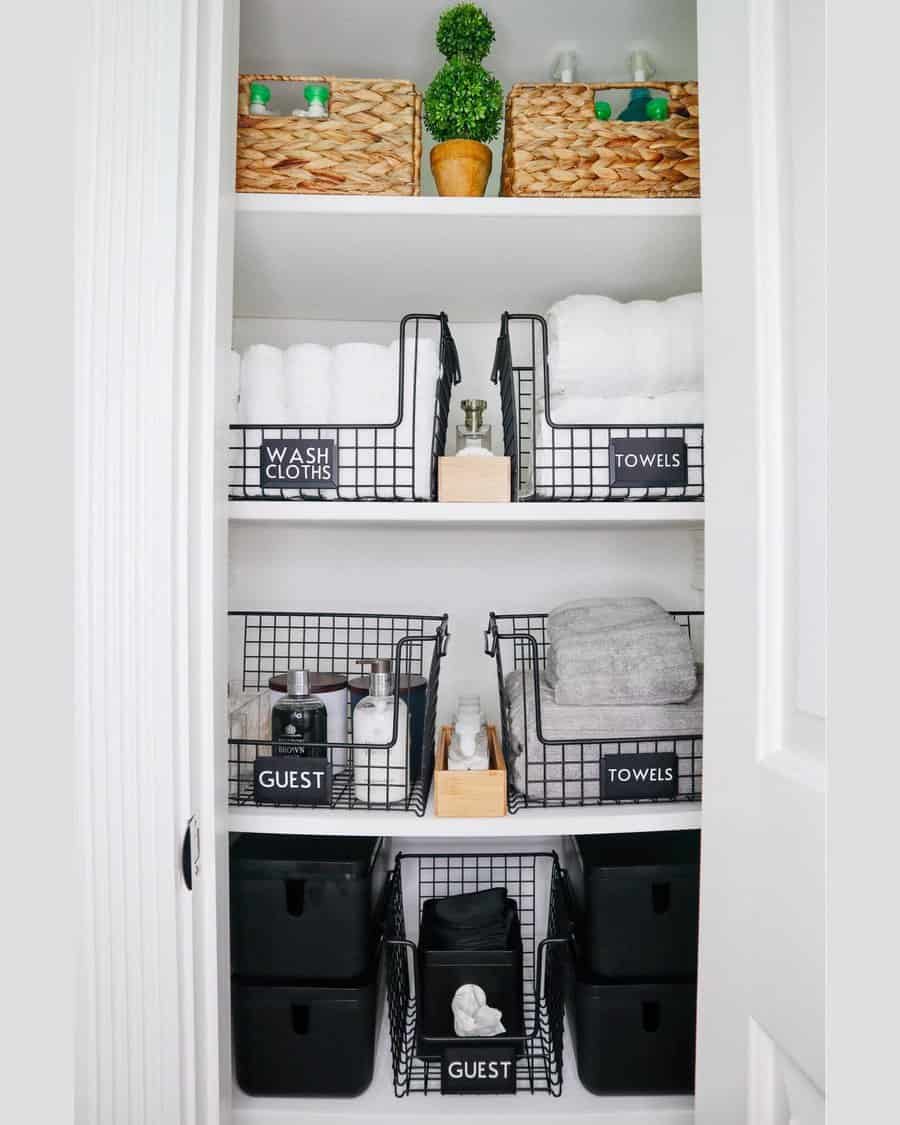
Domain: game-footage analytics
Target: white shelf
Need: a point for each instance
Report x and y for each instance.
(689, 514)
(379, 1106)
(529, 822)
(370, 258)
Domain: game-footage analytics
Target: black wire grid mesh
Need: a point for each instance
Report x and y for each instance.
(559, 772)
(364, 776)
(374, 462)
(537, 883)
(556, 461)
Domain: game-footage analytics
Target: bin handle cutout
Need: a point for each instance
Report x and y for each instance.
(650, 1015)
(295, 895)
(662, 897)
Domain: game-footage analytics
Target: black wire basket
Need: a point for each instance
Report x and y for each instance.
(360, 775)
(537, 883)
(552, 461)
(548, 772)
(366, 461)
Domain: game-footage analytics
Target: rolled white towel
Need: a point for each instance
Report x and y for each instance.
(308, 384)
(602, 346)
(262, 386)
(420, 377)
(365, 385)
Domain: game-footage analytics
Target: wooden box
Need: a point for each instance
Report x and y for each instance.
(474, 479)
(470, 792)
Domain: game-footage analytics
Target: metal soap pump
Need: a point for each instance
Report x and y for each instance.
(380, 775)
(473, 438)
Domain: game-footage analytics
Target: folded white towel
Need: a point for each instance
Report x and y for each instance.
(308, 384)
(602, 346)
(365, 385)
(262, 386)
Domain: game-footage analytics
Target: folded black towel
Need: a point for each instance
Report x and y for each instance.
(482, 920)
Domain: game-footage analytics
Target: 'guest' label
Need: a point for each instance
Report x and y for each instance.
(635, 776)
(293, 463)
(292, 781)
(647, 461)
(478, 1070)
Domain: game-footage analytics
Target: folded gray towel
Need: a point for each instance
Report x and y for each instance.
(571, 772)
(619, 651)
(587, 615)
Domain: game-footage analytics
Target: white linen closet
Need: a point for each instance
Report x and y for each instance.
(220, 270)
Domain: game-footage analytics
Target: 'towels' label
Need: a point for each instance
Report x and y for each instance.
(636, 776)
(478, 1070)
(298, 463)
(292, 781)
(647, 461)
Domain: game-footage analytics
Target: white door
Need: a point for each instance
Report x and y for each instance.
(153, 306)
(761, 1034)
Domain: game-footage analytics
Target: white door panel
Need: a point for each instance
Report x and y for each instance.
(761, 1035)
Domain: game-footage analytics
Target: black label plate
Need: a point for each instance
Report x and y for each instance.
(647, 461)
(478, 1070)
(298, 463)
(635, 776)
(290, 780)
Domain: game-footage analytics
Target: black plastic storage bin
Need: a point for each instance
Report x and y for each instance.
(370, 461)
(535, 881)
(639, 895)
(634, 1038)
(362, 775)
(302, 1040)
(545, 772)
(443, 971)
(554, 461)
(304, 907)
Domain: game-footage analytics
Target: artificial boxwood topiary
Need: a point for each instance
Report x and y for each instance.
(464, 30)
(463, 102)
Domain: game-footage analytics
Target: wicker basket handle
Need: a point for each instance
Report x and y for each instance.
(244, 81)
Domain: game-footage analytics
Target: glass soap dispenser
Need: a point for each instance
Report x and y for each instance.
(299, 718)
(380, 774)
(473, 437)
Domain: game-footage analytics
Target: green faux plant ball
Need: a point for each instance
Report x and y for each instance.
(602, 111)
(658, 109)
(463, 102)
(464, 30)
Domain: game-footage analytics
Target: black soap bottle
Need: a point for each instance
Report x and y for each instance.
(299, 718)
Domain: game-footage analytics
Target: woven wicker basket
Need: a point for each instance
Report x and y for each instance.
(555, 146)
(370, 143)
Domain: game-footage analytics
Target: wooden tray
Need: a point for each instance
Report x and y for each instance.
(470, 792)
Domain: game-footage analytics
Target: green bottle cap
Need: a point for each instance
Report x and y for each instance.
(316, 92)
(602, 110)
(259, 93)
(658, 109)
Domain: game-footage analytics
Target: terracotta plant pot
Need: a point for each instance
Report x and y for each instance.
(461, 167)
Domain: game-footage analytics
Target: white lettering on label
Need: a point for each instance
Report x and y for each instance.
(302, 465)
(479, 1069)
(645, 773)
(291, 779)
(649, 460)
